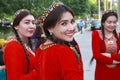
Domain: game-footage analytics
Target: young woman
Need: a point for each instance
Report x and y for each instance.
(58, 58)
(106, 46)
(19, 59)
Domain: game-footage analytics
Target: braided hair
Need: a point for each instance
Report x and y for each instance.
(18, 16)
(105, 15)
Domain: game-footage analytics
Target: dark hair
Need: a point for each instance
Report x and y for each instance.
(38, 36)
(18, 16)
(53, 17)
(105, 15)
(51, 20)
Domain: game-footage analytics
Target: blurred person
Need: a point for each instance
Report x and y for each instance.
(2, 66)
(81, 25)
(18, 57)
(38, 37)
(59, 57)
(105, 47)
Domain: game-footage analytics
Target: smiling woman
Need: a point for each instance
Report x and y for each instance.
(59, 57)
(106, 47)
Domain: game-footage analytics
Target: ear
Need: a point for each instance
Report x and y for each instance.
(103, 24)
(50, 30)
(16, 27)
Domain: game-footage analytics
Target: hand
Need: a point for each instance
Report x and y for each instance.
(2, 67)
(106, 54)
(111, 65)
(116, 62)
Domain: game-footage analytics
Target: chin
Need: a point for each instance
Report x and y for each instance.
(69, 40)
(29, 36)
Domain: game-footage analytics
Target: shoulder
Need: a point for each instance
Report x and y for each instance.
(13, 42)
(13, 49)
(96, 32)
(61, 47)
(63, 50)
(118, 34)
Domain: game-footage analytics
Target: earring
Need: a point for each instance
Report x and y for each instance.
(51, 33)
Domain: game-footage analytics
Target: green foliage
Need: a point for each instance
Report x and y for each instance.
(5, 32)
(80, 7)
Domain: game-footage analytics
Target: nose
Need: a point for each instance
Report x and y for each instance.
(32, 25)
(71, 26)
(113, 24)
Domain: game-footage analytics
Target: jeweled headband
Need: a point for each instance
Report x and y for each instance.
(48, 11)
(18, 12)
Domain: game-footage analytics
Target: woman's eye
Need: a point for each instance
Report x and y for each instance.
(27, 22)
(73, 21)
(64, 23)
(33, 22)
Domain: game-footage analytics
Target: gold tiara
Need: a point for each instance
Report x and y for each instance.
(50, 9)
(18, 12)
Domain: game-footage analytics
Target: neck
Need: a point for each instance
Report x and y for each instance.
(108, 34)
(23, 39)
(49, 42)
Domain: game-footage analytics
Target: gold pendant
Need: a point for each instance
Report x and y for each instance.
(110, 42)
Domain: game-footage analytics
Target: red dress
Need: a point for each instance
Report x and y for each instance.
(105, 69)
(58, 62)
(16, 62)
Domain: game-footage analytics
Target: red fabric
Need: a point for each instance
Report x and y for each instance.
(58, 63)
(102, 71)
(16, 62)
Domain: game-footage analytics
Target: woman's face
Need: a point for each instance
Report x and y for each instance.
(65, 28)
(110, 24)
(26, 27)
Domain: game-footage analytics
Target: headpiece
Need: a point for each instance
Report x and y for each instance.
(18, 12)
(48, 11)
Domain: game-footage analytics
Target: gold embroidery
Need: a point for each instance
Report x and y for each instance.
(43, 47)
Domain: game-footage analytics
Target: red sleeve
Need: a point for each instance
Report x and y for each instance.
(116, 56)
(15, 61)
(96, 42)
(70, 69)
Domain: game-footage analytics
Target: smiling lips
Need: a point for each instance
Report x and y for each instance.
(70, 34)
(31, 30)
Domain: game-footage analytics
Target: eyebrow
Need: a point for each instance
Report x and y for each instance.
(28, 20)
(62, 21)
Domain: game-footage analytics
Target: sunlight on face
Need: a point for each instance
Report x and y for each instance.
(110, 24)
(26, 27)
(65, 28)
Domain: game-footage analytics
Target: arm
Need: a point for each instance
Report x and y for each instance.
(2, 67)
(116, 56)
(15, 61)
(69, 65)
(109, 55)
(96, 42)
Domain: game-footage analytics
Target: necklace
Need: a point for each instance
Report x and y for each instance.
(109, 36)
(43, 47)
(29, 49)
(110, 42)
(109, 39)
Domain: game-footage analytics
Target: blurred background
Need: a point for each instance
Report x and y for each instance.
(88, 10)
